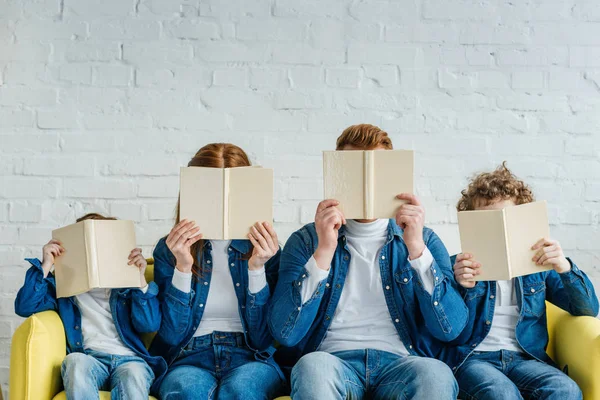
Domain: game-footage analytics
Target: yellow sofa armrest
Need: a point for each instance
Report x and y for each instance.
(37, 351)
(575, 342)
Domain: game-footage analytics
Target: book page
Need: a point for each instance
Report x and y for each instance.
(250, 199)
(482, 234)
(114, 242)
(343, 180)
(71, 268)
(201, 199)
(526, 224)
(393, 173)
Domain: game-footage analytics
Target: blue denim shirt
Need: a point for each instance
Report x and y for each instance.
(133, 311)
(182, 312)
(422, 320)
(572, 291)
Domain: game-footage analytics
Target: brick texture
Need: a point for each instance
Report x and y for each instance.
(101, 102)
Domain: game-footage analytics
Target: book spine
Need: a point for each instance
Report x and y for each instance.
(91, 254)
(226, 204)
(506, 249)
(369, 183)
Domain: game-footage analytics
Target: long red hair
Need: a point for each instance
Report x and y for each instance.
(214, 155)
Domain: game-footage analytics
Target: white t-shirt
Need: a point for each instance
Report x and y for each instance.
(97, 324)
(221, 309)
(502, 334)
(362, 318)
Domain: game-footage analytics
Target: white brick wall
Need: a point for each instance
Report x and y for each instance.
(101, 102)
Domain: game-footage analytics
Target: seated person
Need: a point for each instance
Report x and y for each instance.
(102, 327)
(501, 353)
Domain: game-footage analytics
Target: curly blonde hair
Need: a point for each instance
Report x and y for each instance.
(489, 187)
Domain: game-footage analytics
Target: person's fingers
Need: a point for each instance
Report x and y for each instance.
(265, 234)
(192, 240)
(178, 230)
(411, 198)
(185, 236)
(543, 242)
(326, 204)
(261, 240)
(463, 256)
(273, 235)
(551, 258)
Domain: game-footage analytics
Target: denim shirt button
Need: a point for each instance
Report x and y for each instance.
(383, 257)
(437, 278)
(405, 280)
(488, 322)
(232, 264)
(237, 284)
(532, 290)
(229, 249)
(474, 345)
(397, 320)
(387, 288)
(346, 258)
(76, 327)
(492, 296)
(201, 305)
(327, 285)
(410, 347)
(208, 261)
(299, 308)
(299, 283)
(304, 275)
(205, 283)
(435, 303)
(78, 344)
(327, 317)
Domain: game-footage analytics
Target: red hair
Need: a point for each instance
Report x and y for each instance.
(364, 136)
(214, 155)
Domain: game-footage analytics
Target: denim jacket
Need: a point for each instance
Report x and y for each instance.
(133, 311)
(572, 291)
(182, 312)
(423, 321)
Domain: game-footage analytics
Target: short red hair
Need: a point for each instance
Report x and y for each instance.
(364, 136)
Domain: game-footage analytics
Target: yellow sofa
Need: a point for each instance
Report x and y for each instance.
(38, 349)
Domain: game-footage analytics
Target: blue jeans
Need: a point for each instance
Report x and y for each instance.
(511, 375)
(126, 377)
(358, 374)
(219, 366)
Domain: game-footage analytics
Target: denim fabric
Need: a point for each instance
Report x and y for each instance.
(126, 377)
(134, 312)
(423, 321)
(511, 375)
(572, 291)
(220, 366)
(182, 312)
(371, 374)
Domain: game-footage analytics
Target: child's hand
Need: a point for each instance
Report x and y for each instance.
(550, 252)
(264, 239)
(465, 270)
(136, 258)
(51, 250)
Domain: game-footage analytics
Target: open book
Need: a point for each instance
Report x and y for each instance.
(226, 202)
(501, 240)
(366, 183)
(96, 256)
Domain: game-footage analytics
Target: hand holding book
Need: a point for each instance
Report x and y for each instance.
(411, 218)
(51, 250)
(264, 239)
(180, 239)
(549, 252)
(328, 220)
(136, 258)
